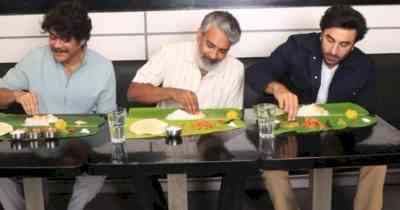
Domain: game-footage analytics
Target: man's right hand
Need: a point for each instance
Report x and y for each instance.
(185, 98)
(28, 101)
(286, 99)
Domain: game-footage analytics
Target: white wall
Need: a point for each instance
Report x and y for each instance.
(136, 35)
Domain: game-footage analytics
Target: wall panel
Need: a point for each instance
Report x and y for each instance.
(155, 42)
(118, 23)
(136, 35)
(14, 49)
(119, 47)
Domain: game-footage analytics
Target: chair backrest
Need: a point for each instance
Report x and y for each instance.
(388, 83)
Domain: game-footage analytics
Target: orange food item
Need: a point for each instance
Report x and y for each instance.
(313, 123)
(202, 124)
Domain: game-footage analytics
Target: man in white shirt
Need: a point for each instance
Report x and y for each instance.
(194, 75)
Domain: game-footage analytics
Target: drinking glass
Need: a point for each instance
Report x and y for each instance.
(116, 121)
(266, 113)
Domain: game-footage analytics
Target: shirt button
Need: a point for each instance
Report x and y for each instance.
(315, 77)
(314, 57)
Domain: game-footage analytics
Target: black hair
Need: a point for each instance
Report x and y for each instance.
(344, 16)
(68, 20)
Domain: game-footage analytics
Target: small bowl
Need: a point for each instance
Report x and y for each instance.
(18, 134)
(34, 133)
(172, 131)
(49, 133)
(173, 135)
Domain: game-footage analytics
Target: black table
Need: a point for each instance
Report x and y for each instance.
(379, 145)
(208, 155)
(34, 159)
(233, 156)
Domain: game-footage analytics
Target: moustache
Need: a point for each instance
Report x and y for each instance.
(59, 50)
(210, 61)
(332, 56)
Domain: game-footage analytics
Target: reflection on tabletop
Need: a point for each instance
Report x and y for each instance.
(44, 153)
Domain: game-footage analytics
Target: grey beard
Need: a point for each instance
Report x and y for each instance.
(206, 66)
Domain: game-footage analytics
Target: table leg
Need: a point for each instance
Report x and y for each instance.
(231, 192)
(177, 192)
(33, 191)
(321, 181)
(144, 191)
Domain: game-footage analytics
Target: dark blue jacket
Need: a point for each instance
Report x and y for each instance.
(297, 64)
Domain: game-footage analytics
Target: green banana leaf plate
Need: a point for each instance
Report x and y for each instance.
(92, 123)
(215, 117)
(336, 120)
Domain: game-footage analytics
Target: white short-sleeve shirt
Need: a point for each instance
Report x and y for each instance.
(175, 66)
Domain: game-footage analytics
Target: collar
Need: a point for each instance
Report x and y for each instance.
(79, 68)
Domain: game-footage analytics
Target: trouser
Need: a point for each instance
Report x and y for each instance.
(369, 195)
(10, 195)
(84, 190)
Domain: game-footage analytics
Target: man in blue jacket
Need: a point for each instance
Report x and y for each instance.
(319, 68)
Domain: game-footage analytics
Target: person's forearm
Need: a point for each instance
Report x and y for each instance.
(7, 97)
(147, 93)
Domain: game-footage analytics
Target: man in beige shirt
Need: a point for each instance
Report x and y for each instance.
(194, 75)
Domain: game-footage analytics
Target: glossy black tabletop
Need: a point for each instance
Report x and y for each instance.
(242, 148)
(207, 154)
(379, 144)
(43, 158)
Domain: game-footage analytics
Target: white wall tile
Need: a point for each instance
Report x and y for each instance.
(381, 41)
(155, 42)
(112, 47)
(260, 44)
(119, 47)
(297, 18)
(17, 48)
(249, 19)
(117, 22)
(20, 25)
(282, 18)
(174, 20)
(309, 17)
(103, 23)
(381, 16)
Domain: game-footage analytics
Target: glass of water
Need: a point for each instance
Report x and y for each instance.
(266, 113)
(116, 121)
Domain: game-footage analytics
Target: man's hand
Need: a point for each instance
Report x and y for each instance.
(185, 98)
(286, 99)
(28, 101)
